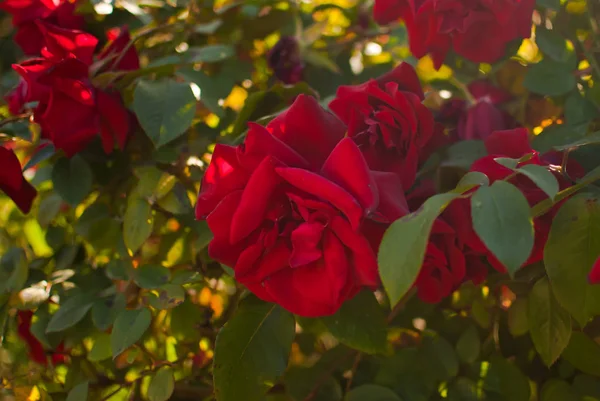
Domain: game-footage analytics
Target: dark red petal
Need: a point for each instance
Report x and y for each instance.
(305, 244)
(309, 129)
(257, 196)
(62, 42)
(392, 202)
(512, 143)
(346, 167)
(114, 120)
(406, 77)
(224, 175)
(260, 143)
(326, 190)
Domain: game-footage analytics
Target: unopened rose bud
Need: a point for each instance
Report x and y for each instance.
(285, 61)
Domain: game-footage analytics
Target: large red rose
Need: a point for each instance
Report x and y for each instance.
(12, 182)
(478, 30)
(287, 209)
(478, 120)
(512, 144)
(387, 120)
(26, 12)
(71, 111)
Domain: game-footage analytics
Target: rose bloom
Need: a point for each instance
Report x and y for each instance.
(388, 122)
(25, 13)
(512, 144)
(296, 211)
(477, 121)
(285, 61)
(478, 30)
(71, 111)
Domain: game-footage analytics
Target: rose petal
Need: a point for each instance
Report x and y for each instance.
(224, 175)
(62, 42)
(256, 197)
(346, 167)
(324, 189)
(510, 143)
(306, 244)
(308, 129)
(260, 143)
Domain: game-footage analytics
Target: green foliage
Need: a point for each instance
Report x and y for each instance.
(252, 350)
(500, 215)
(402, 249)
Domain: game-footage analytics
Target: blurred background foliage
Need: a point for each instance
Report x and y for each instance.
(110, 233)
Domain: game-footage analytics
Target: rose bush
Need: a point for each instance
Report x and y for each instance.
(267, 201)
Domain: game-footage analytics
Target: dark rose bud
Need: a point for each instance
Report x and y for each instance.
(284, 59)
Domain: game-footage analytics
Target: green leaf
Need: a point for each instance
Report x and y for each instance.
(14, 270)
(321, 60)
(501, 218)
(161, 385)
(468, 345)
(579, 110)
(591, 139)
(167, 297)
(105, 311)
(208, 54)
(440, 353)
(165, 109)
(550, 78)
(360, 324)
(72, 179)
(101, 349)
(505, 378)
(552, 44)
(43, 154)
(572, 248)
(372, 392)
(118, 269)
(252, 351)
(402, 249)
(70, 312)
(542, 177)
(558, 390)
(551, 4)
(151, 276)
(137, 224)
(549, 323)
(79, 392)
(518, 323)
(583, 353)
(129, 327)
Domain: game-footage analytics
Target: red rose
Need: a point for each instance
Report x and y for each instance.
(12, 182)
(512, 144)
(71, 111)
(287, 208)
(478, 120)
(478, 30)
(26, 12)
(35, 348)
(387, 120)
